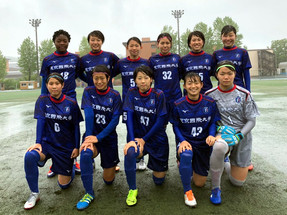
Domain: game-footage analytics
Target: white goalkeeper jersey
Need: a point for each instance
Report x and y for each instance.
(235, 106)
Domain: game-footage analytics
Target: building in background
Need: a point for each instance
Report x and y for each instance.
(149, 48)
(263, 62)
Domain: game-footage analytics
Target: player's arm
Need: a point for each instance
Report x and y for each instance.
(210, 140)
(106, 131)
(44, 89)
(75, 152)
(246, 75)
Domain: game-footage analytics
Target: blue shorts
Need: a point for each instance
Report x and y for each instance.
(109, 154)
(158, 156)
(200, 159)
(61, 161)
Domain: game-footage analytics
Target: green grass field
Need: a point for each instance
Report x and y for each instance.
(260, 88)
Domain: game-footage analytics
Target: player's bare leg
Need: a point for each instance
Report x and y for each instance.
(199, 180)
(109, 175)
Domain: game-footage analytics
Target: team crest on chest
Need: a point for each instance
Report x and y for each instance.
(205, 109)
(238, 99)
(110, 100)
(206, 61)
(152, 101)
(67, 109)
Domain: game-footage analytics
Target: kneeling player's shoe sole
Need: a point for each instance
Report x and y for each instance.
(32, 200)
(85, 201)
(215, 196)
(50, 173)
(250, 167)
(132, 197)
(189, 199)
(77, 168)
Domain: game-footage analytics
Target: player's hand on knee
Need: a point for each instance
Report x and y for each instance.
(225, 129)
(232, 139)
(210, 140)
(140, 143)
(92, 139)
(87, 145)
(128, 145)
(184, 145)
(36, 146)
(75, 153)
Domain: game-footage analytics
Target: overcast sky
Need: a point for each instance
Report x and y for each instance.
(260, 21)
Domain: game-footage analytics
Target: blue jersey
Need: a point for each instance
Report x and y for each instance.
(146, 109)
(194, 118)
(240, 58)
(166, 75)
(126, 68)
(68, 65)
(105, 105)
(60, 117)
(89, 61)
(200, 63)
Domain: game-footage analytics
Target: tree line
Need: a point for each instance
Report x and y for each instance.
(27, 60)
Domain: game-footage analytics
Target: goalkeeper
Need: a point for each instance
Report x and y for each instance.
(238, 113)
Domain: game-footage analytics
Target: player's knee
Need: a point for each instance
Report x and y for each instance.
(65, 186)
(86, 155)
(108, 182)
(220, 147)
(31, 157)
(158, 181)
(236, 182)
(130, 153)
(186, 158)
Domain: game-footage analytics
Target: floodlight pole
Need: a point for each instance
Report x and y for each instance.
(35, 23)
(177, 14)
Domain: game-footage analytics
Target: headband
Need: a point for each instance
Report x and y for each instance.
(225, 65)
(55, 76)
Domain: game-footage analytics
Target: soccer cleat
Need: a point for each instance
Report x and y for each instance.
(189, 199)
(77, 168)
(85, 201)
(50, 173)
(32, 200)
(250, 167)
(215, 196)
(141, 165)
(132, 197)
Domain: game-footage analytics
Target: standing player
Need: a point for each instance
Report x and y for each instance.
(238, 116)
(97, 57)
(102, 106)
(194, 117)
(66, 64)
(166, 73)
(238, 56)
(146, 116)
(58, 117)
(126, 68)
(197, 60)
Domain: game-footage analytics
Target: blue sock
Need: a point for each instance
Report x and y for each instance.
(65, 186)
(185, 169)
(130, 167)
(86, 161)
(158, 181)
(31, 169)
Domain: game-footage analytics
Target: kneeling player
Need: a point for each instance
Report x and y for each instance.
(146, 117)
(193, 118)
(58, 117)
(238, 113)
(102, 106)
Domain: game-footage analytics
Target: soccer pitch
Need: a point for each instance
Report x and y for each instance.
(263, 193)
